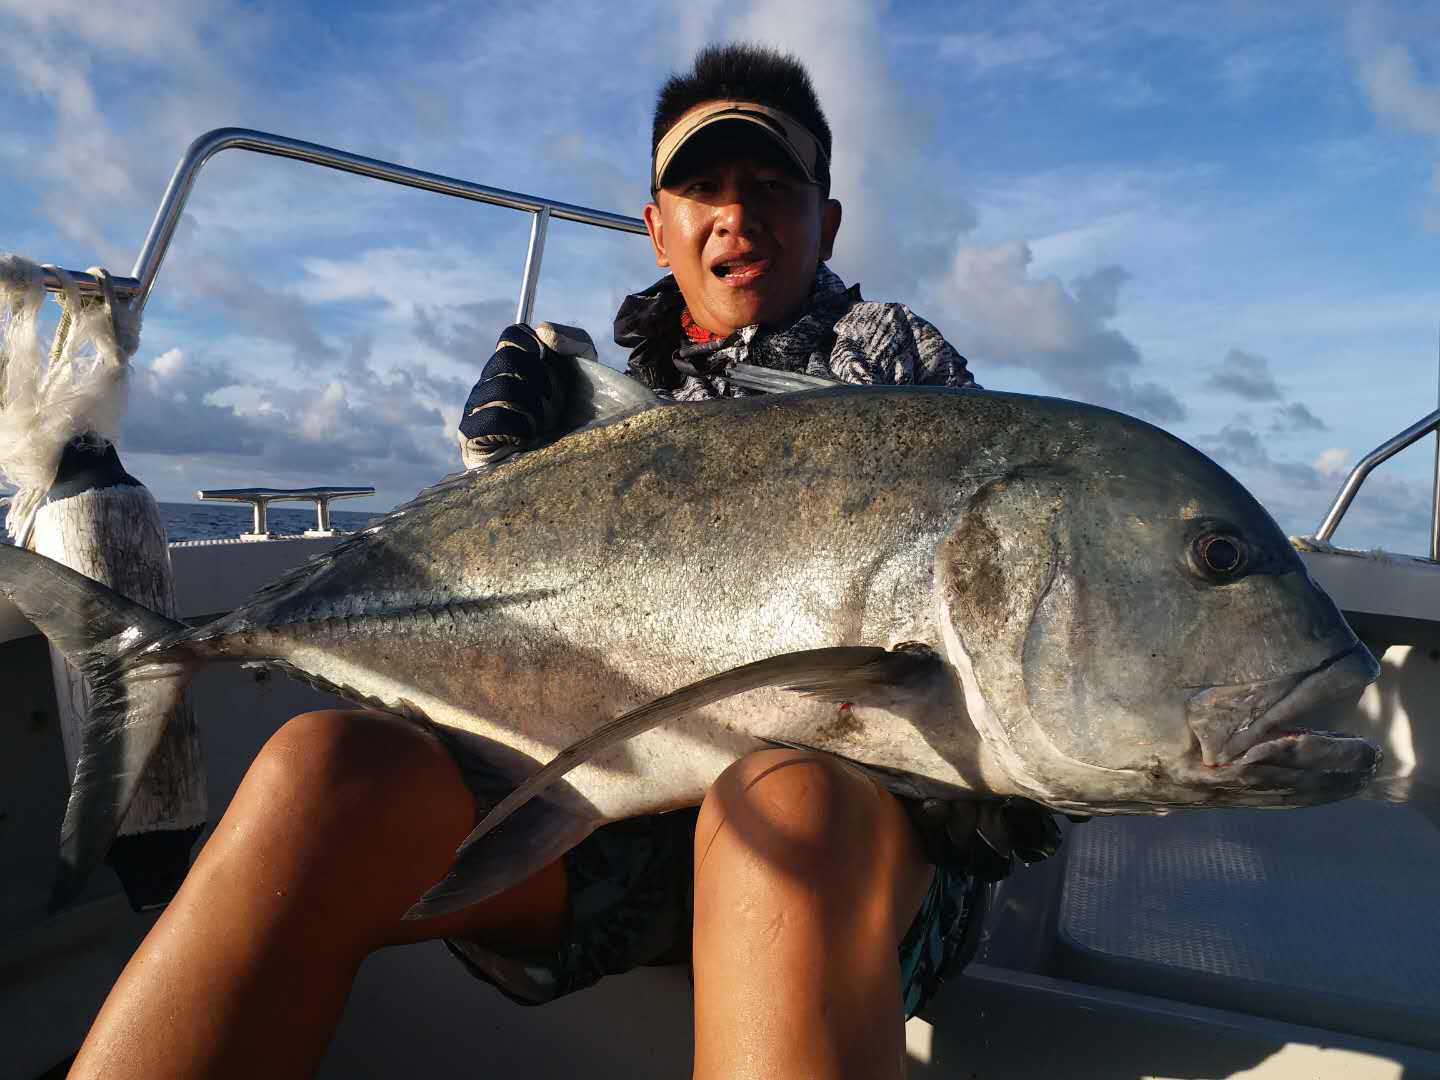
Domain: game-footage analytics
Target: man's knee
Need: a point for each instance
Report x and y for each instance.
(354, 767)
(799, 814)
(342, 821)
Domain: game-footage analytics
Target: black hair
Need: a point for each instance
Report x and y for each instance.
(744, 73)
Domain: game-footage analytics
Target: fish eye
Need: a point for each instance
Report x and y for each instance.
(1219, 555)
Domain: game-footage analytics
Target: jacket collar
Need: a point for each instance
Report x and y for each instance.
(648, 324)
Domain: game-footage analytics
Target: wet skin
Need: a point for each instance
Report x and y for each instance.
(807, 875)
(743, 234)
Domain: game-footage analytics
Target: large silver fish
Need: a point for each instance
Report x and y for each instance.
(976, 592)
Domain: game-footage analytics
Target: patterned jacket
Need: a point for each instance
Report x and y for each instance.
(838, 336)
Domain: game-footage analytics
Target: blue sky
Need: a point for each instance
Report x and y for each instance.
(1221, 216)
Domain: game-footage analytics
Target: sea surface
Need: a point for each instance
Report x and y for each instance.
(216, 521)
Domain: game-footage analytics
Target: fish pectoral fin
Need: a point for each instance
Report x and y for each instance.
(859, 674)
(537, 834)
(893, 676)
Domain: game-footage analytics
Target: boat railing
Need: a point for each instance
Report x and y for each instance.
(136, 288)
(260, 499)
(1382, 453)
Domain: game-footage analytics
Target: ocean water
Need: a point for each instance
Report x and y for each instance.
(219, 521)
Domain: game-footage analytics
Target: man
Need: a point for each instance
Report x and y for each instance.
(817, 919)
(741, 215)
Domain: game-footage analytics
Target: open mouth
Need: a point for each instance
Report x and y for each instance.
(1237, 727)
(741, 271)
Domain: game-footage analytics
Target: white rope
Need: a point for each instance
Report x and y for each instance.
(46, 401)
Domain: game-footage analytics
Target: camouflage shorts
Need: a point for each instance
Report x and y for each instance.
(632, 903)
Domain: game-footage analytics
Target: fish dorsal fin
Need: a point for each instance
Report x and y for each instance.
(596, 394)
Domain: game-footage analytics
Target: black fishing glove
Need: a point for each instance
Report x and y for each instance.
(985, 837)
(521, 392)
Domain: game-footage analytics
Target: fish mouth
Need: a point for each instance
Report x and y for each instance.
(1252, 728)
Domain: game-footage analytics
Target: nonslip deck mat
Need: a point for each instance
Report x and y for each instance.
(1327, 916)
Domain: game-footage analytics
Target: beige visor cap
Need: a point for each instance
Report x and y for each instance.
(792, 136)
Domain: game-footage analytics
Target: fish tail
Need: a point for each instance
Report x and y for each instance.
(136, 664)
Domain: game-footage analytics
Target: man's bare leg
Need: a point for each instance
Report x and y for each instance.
(807, 876)
(344, 819)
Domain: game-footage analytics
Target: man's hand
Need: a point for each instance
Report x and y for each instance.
(521, 393)
(984, 837)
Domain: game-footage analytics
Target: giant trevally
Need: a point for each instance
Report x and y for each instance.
(977, 594)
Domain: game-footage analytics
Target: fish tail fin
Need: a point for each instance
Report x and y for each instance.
(136, 664)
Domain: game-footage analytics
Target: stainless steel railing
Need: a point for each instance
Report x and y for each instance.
(137, 286)
(1382, 453)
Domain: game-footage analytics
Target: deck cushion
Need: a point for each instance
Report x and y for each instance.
(1327, 916)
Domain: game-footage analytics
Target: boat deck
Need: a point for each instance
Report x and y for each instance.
(1230, 944)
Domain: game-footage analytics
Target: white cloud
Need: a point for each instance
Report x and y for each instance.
(1332, 462)
(1395, 58)
(1390, 509)
(87, 148)
(1245, 375)
(143, 29)
(984, 51)
(1010, 310)
(168, 364)
(387, 428)
(1387, 72)
(1032, 42)
(405, 279)
(106, 164)
(1082, 244)
(1075, 216)
(1293, 418)
(323, 416)
(1003, 314)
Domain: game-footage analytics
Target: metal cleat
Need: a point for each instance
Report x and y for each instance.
(260, 499)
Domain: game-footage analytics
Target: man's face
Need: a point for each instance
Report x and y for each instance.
(741, 231)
